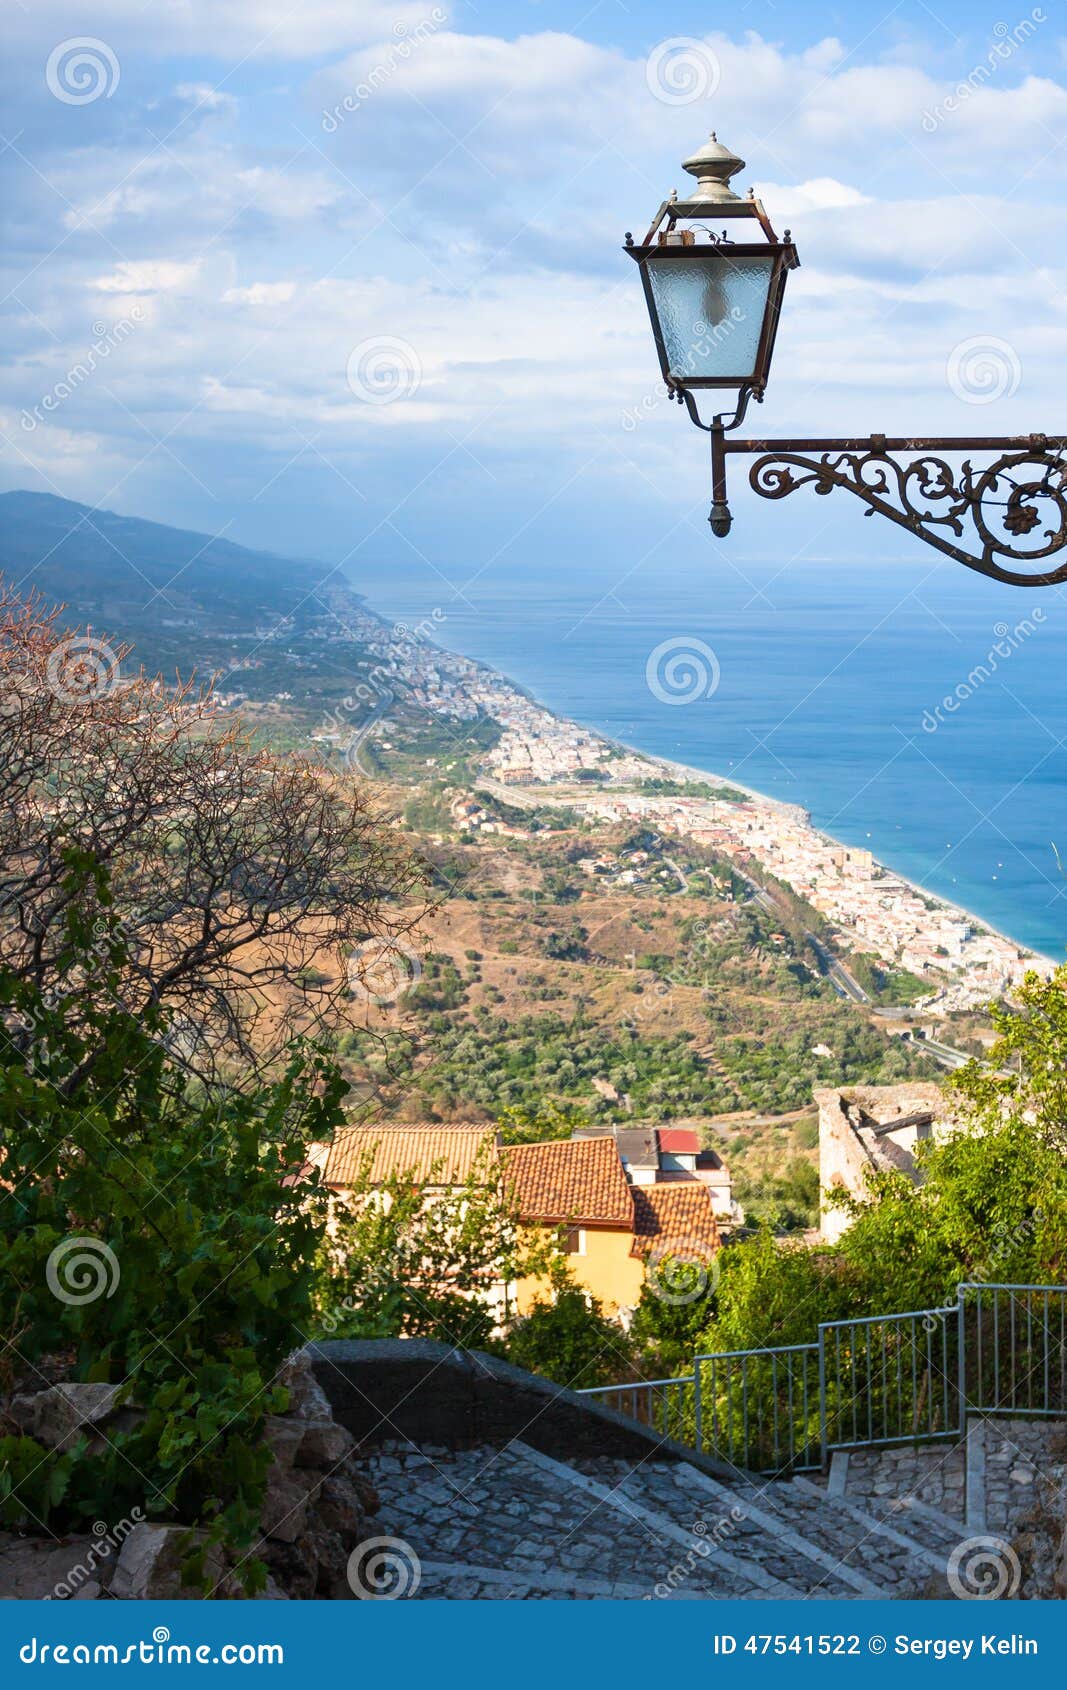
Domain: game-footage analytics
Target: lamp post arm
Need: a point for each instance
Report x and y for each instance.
(990, 517)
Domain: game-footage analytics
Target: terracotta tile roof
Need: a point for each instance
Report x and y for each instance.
(432, 1154)
(680, 1140)
(675, 1219)
(579, 1180)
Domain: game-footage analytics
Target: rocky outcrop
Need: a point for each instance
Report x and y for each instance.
(62, 1414)
(1040, 1541)
(52, 1569)
(151, 1565)
(316, 1509)
(317, 1503)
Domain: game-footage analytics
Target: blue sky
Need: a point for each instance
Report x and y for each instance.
(256, 222)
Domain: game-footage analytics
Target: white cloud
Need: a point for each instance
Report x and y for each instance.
(822, 194)
(260, 293)
(268, 29)
(508, 171)
(152, 275)
(203, 94)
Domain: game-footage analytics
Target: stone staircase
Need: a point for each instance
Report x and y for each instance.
(489, 1523)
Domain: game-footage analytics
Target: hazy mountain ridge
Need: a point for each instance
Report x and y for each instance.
(107, 565)
(185, 601)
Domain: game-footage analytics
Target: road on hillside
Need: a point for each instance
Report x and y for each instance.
(836, 972)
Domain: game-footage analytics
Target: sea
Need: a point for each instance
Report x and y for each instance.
(915, 709)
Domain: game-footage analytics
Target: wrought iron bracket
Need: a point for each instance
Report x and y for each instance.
(1009, 510)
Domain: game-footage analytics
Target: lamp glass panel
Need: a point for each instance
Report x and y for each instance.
(711, 308)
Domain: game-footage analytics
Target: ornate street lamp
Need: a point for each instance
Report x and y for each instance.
(714, 304)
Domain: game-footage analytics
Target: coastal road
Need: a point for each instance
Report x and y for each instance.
(683, 880)
(836, 972)
(947, 1055)
(362, 735)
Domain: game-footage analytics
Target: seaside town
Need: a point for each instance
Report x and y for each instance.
(873, 910)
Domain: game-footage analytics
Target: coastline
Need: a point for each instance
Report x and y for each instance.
(935, 898)
(689, 771)
(546, 747)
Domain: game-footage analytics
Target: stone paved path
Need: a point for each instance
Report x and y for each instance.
(514, 1523)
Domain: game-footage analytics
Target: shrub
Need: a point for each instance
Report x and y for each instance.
(397, 1263)
(990, 1203)
(570, 1339)
(157, 1237)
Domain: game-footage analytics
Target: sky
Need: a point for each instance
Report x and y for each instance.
(344, 278)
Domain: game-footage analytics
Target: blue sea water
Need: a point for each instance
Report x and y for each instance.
(829, 683)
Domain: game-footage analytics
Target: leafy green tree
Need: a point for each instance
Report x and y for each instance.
(666, 1332)
(402, 1261)
(545, 1121)
(154, 1236)
(567, 1337)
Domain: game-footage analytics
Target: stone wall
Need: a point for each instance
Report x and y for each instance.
(426, 1392)
(848, 1147)
(989, 1484)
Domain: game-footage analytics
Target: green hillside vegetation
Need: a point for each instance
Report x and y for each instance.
(548, 985)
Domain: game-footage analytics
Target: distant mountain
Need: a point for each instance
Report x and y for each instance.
(183, 600)
(103, 564)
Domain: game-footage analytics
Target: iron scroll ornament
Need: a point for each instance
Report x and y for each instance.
(1016, 506)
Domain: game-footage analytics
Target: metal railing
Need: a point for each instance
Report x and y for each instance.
(1014, 1360)
(871, 1382)
(761, 1400)
(889, 1379)
(667, 1406)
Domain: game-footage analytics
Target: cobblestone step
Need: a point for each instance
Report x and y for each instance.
(935, 1529)
(789, 1535)
(875, 1559)
(487, 1523)
(490, 1524)
(895, 1528)
(688, 1555)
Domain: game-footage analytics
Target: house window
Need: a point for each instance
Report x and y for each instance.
(574, 1241)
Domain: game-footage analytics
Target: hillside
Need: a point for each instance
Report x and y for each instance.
(285, 637)
(546, 987)
(570, 969)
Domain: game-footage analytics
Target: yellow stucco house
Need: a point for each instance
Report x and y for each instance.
(580, 1185)
(611, 1228)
